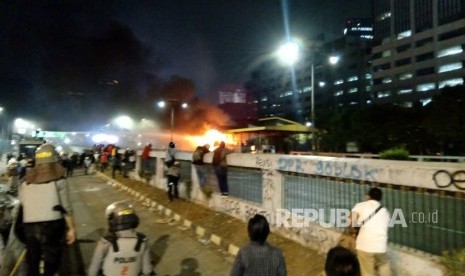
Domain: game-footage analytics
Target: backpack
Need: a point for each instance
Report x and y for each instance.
(197, 156)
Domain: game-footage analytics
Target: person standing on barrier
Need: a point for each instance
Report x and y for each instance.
(259, 257)
(170, 155)
(220, 166)
(146, 159)
(371, 243)
(46, 212)
(123, 251)
(199, 164)
(173, 175)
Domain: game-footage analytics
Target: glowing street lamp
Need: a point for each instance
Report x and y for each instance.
(289, 53)
(173, 103)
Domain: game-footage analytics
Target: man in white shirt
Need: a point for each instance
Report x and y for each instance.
(371, 243)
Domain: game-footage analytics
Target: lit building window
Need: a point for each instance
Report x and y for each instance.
(404, 34)
(338, 82)
(384, 94)
(450, 51)
(451, 82)
(383, 16)
(353, 90)
(368, 76)
(406, 104)
(287, 93)
(353, 78)
(307, 89)
(339, 93)
(387, 80)
(425, 87)
(353, 103)
(405, 76)
(387, 53)
(450, 67)
(264, 99)
(425, 101)
(367, 36)
(405, 91)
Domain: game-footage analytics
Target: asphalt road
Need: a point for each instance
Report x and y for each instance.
(175, 249)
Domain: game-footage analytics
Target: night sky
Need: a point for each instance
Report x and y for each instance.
(75, 62)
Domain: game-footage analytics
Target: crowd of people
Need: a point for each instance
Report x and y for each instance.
(45, 219)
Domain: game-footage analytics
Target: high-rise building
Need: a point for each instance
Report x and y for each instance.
(419, 48)
(359, 27)
(287, 92)
(238, 103)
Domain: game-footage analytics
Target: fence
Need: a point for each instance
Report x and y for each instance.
(429, 197)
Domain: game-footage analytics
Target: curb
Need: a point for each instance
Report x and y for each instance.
(199, 231)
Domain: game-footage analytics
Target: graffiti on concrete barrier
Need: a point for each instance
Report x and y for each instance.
(242, 210)
(313, 236)
(251, 211)
(232, 207)
(444, 179)
(268, 191)
(263, 163)
(293, 164)
(346, 170)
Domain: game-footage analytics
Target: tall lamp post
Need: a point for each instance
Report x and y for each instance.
(172, 103)
(289, 53)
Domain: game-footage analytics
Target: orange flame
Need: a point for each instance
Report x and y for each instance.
(211, 137)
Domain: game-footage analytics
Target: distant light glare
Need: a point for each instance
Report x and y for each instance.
(288, 53)
(333, 59)
(105, 139)
(124, 122)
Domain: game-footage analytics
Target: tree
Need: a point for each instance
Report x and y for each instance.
(445, 120)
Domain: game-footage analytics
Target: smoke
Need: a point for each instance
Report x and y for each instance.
(197, 117)
(82, 66)
(73, 67)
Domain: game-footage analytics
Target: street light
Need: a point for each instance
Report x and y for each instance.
(288, 53)
(173, 103)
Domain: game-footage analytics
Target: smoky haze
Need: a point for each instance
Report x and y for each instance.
(197, 117)
(72, 66)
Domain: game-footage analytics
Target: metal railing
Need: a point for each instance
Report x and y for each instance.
(434, 220)
(430, 219)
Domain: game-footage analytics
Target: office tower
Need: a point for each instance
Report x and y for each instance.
(418, 49)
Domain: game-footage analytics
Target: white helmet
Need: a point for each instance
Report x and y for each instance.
(121, 216)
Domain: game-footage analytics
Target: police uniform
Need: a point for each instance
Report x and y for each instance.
(123, 251)
(47, 213)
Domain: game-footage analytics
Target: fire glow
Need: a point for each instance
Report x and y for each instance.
(211, 137)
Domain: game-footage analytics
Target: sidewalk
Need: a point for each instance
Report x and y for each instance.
(226, 232)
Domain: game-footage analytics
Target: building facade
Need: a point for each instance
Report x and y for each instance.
(419, 48)
(238, 103)
(286, 92)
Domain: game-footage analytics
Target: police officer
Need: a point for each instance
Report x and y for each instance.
(123, 251)
(47, 213)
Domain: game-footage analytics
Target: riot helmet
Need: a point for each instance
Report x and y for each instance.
(121, 216)
(46, 153)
